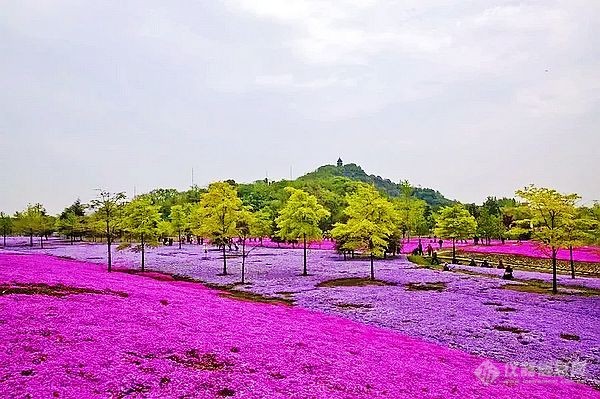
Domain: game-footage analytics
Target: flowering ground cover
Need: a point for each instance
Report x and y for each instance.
(464, 309)
(69, 329)
(531, 249)
(520, 248)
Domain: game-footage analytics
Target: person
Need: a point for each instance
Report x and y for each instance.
(500, 264)
(429, 250)
(508, 273)
(434, 259)
(472, 263)
(485, 263)
(205, 252)
(446, 268)
(440, 242)
(420, 248)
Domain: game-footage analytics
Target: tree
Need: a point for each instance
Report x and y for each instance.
(552, 213)
(165, 229)
(71, 221)
(300, 218)
(34, 221)
(6, 225)
(262, 224)
(108, 206)
(578, 231)
(77, 208)
(372, 221)
(492, 206)
(180, 219)
(244, 225)
(70, 224)
(489, 225)
(141, 218)
(196, 220)
(457, 223)
(594, 217)
(411, 210)
(217, 215)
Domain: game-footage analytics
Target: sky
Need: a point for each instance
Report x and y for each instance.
(472, 98)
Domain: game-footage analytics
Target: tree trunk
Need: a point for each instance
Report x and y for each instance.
(554, 285)
(41, 242)
(571, 261)
(454, 250)
(143, 263)
(179, 239)
(344, 252)
(4, 239)
(224, 261)
(30, 238)
(372, 268)
(305, 273)
(243, 259)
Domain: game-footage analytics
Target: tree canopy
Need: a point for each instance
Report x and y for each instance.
(300, 218)
(455, 222)
(552, 213)
(371, 223)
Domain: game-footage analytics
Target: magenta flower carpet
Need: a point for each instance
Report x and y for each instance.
(71, 330)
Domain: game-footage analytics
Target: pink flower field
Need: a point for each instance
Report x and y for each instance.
(71, 330)
(534, 250)
(523, 248)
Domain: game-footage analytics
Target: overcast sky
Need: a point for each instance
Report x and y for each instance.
(472, 98)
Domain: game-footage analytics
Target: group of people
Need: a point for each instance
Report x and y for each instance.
(431, 253)
(508, 271)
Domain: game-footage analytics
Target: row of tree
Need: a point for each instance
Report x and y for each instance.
(369, 222)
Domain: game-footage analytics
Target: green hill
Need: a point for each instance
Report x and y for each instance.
(354, 172)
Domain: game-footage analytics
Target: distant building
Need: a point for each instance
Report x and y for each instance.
(339, 162)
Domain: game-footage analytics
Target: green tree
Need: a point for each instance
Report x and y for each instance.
(196, 220)
(552, 213)
(217, 215)
(6, 225)
(300, 217)
(70, 224)
(578, 231)
(165, 229)
(76, 208)
(411, 211)
(594, 217)
(457, 223)
(244, 225)
(489, 225)
(263, 224)
(34, 221)
(180, 219)
(372, 221)
(141, 219)
(108, 207)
